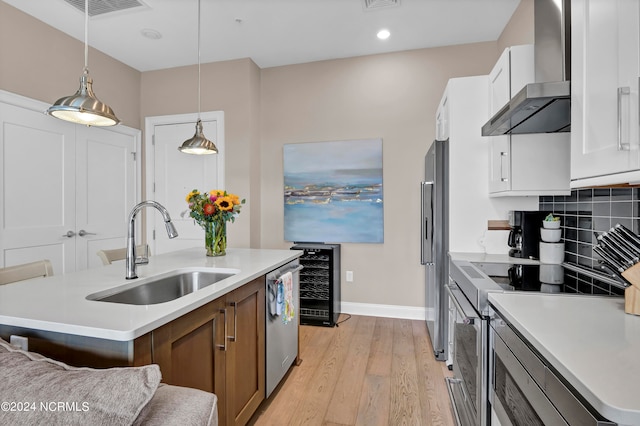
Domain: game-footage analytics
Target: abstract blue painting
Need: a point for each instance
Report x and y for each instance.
(333, 192)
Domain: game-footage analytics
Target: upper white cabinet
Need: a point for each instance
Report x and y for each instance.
(464, 109)
(604, 92)
(442, 118)
(523, 165)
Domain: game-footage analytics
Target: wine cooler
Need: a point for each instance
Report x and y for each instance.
(319, 284)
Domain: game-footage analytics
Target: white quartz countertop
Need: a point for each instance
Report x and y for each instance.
(491, 258)
(59, 304)
(589, 340)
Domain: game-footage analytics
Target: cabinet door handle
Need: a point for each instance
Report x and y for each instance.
(69, 234)
(235, 322)
(622, 91)
(82, 233)
(224, 345)
(503, 157)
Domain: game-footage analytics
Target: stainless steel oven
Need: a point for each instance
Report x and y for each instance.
(524, 390)
(467, 389)
(468, 290)
(470, 321)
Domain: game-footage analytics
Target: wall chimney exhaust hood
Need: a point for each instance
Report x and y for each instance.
(543, 106)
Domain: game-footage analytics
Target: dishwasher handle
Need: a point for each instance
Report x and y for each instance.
(274, 275)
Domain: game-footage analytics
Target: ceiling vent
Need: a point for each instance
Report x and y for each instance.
(101, 7)
(377, 4)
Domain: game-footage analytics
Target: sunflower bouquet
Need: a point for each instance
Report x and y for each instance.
(212, 211)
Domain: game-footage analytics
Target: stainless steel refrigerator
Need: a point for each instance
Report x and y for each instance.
(435, 243)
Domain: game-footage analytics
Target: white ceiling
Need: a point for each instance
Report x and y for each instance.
(273, 32)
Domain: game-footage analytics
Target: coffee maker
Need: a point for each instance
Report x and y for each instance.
(524, 237)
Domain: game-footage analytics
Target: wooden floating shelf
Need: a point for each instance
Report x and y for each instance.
(498, 225)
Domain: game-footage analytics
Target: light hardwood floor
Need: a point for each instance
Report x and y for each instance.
(367, 371)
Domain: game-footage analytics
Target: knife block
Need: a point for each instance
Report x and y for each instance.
(632, 293)
(632, 300)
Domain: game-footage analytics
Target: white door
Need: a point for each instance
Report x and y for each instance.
(106, 188)
(171, 175)
(37, 186)
(66, 189)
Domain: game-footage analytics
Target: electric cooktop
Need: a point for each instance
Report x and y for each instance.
(552, 278)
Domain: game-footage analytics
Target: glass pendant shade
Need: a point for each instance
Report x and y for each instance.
(84, 107)
(198, 144)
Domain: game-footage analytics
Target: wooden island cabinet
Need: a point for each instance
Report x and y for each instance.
(213, 339)
(219, 348)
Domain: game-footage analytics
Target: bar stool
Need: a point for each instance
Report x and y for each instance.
(25, 271)
(109, 256)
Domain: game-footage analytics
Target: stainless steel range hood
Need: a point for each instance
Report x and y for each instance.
(543, 106)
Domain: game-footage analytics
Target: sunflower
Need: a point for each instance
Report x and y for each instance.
(213, 206)
(234, 199)
(193, 193)
(224, 203)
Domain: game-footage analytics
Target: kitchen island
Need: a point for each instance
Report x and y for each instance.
(588, 340)
(212, 339)
(59, 303)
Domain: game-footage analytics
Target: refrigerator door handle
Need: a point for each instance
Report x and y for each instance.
(426, 225)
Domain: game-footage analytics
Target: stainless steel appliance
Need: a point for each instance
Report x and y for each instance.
(525, 390)
(524, 237)
(281, 338)
(543, 106)
(469, 289)
(469, 330)
(468, 292)
(435, 243)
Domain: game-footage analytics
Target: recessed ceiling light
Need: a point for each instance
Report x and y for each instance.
(383, 34)
(151, 33)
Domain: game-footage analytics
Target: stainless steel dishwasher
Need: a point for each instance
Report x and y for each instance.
(281, 338)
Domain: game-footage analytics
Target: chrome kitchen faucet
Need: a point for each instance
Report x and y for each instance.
(131, 260)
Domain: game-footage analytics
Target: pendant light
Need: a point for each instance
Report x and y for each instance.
(198, 144)
(83, 107)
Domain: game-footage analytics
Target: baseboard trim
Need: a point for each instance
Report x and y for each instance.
(386, 311)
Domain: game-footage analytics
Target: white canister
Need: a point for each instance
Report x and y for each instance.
(550, 288)
(551, 274)
(551, 252)
(549, 235)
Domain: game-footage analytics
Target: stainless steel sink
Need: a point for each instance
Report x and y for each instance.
(162, 289)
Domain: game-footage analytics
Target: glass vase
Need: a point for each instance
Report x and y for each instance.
(215, 238)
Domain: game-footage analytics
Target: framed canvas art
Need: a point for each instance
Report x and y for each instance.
(333, 192)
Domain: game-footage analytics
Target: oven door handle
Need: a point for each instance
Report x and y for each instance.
(462, 305)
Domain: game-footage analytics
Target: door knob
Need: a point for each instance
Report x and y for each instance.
(82, 233)
(69, 234)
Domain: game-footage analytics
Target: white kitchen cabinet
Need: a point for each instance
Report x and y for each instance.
(442, 118)
(465, 101)
(504, 81)
(67, 189)
(523, 165)
(604, 92)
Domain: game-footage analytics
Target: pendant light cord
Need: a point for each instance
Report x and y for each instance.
(86, 37)
(198, 60)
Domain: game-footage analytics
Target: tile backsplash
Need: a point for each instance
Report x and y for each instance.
(589, 211)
